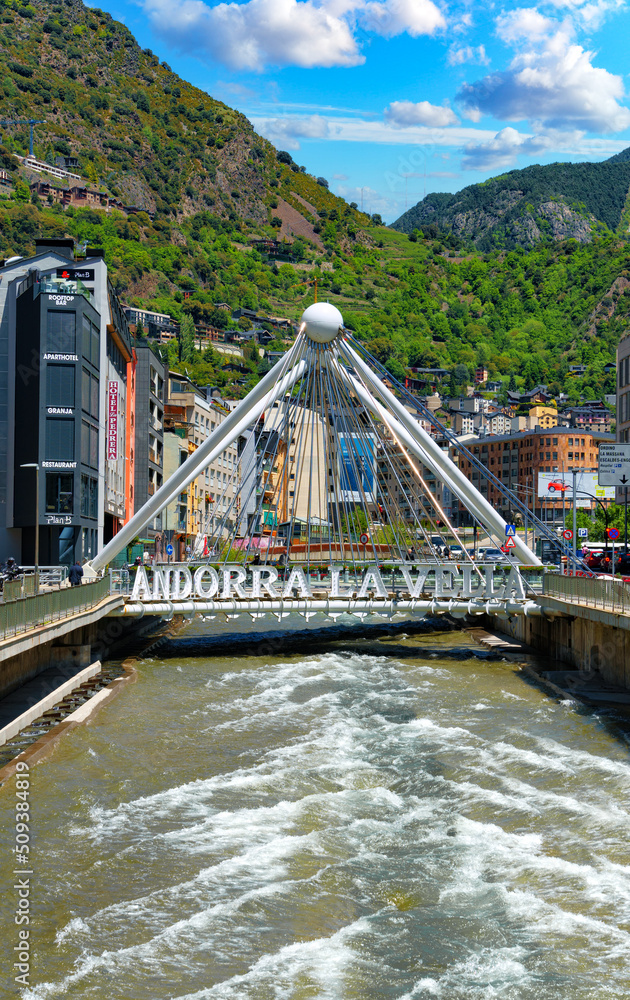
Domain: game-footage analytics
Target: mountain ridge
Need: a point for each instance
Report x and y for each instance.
(532, 205)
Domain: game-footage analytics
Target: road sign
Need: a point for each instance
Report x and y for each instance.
(509, 542)
(613, 533)
(510, 531)
(614, 465)
(567, 534)
(364, 539)
(582, 532)
(169, 550)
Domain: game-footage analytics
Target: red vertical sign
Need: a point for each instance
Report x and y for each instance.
(112, 421)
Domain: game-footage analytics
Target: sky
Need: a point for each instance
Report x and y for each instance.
(390, 100)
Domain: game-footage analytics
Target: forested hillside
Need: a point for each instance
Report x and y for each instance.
(530, 206)
(209, 186)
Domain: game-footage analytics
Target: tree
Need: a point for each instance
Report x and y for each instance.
(512, 383)
(187, 339)
(140, 334)
(354, 523)
(461, 374)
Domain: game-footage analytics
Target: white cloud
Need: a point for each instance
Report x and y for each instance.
(590, 14)
(501, 150)
(467, 54)
(257, 33)
(395, 17)
(286, 132)
(405, 113)
(551, 81)
(340, 177)
(307, 33)
(525, 24)
(424, 139)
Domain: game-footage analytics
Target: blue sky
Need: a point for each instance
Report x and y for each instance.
(392, 99)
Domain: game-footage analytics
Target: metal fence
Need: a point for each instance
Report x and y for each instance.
(609, 595)
(30, 612)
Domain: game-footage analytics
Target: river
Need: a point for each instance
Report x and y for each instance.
(393, 818)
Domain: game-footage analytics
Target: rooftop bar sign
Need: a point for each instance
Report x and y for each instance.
(237, 582)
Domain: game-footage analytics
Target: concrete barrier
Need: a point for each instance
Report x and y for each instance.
(52, 699)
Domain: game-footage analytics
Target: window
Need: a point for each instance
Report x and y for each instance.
(60, 385)
(570, 442)
(61, 336)
(59, 493)
(90, 341)
(89, 444)
(59, 440)
(555, 441)
(89, 496)
(94, 397)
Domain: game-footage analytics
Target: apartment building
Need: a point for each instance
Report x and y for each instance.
(516, 460)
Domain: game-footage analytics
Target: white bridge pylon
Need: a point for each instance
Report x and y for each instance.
(339, 472)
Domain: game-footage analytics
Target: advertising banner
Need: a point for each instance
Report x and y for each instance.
(559, 485)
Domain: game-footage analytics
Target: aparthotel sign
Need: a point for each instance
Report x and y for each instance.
(234, 581)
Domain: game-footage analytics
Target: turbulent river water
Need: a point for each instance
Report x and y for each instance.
(392, 818)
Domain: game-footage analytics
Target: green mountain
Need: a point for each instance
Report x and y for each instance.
(205, 188)
(531, 206)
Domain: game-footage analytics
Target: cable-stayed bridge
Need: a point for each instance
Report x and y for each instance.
(336, 504)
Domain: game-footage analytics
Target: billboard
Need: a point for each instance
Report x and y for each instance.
(559, 485)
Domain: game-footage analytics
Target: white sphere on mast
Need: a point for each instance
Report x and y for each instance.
(321, 322)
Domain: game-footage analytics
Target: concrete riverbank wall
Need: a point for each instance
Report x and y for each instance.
(70, 644)
(586, 639)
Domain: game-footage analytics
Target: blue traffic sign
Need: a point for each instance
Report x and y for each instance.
(613, 533)
(510, 530)
(169, 550)
(582, 532)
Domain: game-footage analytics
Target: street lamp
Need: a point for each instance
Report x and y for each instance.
(35, 465)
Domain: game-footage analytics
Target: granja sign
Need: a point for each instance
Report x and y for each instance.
(233, 581)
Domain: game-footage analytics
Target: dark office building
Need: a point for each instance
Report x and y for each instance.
(56, 417)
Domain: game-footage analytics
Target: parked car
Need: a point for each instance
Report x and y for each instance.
(455, 551)
(494, 555)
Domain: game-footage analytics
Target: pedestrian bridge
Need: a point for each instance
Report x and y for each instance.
(385, 591)
(341, 503)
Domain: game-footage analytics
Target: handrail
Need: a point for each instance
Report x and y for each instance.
(607, 595)
(41, 609)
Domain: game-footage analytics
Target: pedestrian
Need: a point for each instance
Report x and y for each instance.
(76, 574)
(138, 561)
(188, 551)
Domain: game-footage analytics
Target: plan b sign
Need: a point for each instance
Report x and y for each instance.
(614, 465)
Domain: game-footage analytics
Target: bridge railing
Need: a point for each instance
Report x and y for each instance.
(608, 595)
(42, 609)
